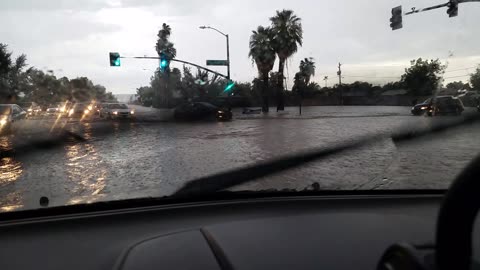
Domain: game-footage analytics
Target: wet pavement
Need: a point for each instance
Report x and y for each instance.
(155, 157)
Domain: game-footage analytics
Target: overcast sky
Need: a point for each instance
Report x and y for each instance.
(73, 37)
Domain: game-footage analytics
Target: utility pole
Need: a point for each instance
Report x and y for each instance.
(228, 56)
(339, 73)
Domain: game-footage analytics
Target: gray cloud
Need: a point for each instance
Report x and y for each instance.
(35, 5)
(356, 33)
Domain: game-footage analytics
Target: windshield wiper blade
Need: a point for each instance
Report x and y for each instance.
(224, 180)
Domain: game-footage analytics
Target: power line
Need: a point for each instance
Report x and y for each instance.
(460, 76)
(460, 69)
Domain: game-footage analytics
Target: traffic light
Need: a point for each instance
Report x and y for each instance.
(396, 20)
(452, 10)
(164, 62)
(229, 86)
(114, 59)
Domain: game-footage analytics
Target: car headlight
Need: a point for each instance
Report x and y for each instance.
(424, 108)
(220, 111)
(90, 107)
(132, 112)
(115, 113)
(62, 109)
(87, 111)
(70, 112)
(29, 109)
(3, 122)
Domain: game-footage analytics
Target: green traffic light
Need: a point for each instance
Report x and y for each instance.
(229, 86)
(163, 63)
(114, 59)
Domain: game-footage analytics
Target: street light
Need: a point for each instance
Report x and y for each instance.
(203, 27)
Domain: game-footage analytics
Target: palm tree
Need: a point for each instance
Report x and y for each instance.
(164, 46)
(307, 69)
(288, 34)
(263, 54)
(163, 43)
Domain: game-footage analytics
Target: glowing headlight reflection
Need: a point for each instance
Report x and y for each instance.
(3, 122)
(115, 113)
(424, 108)
(70, 112)
(87, 111)
(132, 112)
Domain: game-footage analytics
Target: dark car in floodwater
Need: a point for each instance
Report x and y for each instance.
(193, 111)
(442, 105)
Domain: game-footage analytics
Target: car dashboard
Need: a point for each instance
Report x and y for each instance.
(290, 232)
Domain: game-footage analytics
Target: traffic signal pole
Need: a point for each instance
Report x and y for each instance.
(165, 67)
(452, 11)
(228, 57)
(180, 61)
(427, 9)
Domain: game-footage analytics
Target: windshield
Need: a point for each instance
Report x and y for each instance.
(154, 94)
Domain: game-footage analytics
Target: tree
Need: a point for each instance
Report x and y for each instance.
(287, 35)
(458, 85)
(145, 95)
(307, 69)
(164, 45)
(13, 80)
(475, 79)
(393, 86)
(263, 54)
(302, 78)
(423, 76)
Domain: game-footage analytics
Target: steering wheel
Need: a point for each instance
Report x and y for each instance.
(453, 249)
(456, 220)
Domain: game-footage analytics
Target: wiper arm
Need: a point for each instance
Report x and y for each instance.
(235, 177)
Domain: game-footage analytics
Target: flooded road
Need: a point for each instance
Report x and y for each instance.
(124, 159)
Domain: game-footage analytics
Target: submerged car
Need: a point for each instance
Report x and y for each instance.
(52, 111)
(10, 115)
(194, 111)
(442, 105)
(31, 108)
(224, 115)
(446, 105)
(81, 110)
(116, 110)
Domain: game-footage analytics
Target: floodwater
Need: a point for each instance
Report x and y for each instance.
(143, 159)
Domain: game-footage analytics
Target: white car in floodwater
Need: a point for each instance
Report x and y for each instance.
(117, 110)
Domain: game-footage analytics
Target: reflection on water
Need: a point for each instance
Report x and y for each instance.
(12, 201)
(10, 169)
(85, 168)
